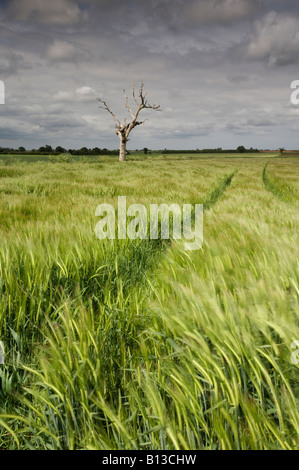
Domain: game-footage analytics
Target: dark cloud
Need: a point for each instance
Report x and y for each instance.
(208, 62)
(240, 79)
(225, 12)
(11, 63)
(57, 12)
(274, 40)
(10, 135)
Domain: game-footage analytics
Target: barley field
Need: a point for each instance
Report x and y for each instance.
(140, 344)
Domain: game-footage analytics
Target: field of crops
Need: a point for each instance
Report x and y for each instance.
(140, 344)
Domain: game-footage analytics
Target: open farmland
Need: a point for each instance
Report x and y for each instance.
(139, 344)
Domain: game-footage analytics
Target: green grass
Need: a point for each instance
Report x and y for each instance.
(286, 190)
(142, 345)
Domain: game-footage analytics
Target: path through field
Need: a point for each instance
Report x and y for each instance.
(143, 345)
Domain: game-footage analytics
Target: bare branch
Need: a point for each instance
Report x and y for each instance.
(143, 103)
(127, 105)
(141, 95)
(155, 107)
(106, 107)
(133, 86)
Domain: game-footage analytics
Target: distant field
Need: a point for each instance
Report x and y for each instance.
(15, 159)
(140, 344)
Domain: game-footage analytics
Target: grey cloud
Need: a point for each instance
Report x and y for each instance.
(11, 135)
(84, 94)
(11, 63)
(256, 122)
(239, 79)
(221, 11)
(59, 123)
(59, 12)
(273, 41)
(64, 51)
(95, 48)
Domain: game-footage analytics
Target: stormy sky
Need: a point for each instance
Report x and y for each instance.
(221, 70)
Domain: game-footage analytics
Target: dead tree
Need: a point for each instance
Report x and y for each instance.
(123, 130)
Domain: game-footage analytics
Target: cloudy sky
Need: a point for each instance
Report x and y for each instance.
(221, 70)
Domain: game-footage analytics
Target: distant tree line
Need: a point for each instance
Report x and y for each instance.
(240, 149)
(48, 150)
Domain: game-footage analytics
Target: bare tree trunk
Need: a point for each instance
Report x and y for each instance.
(122, 150)
(123, 130)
